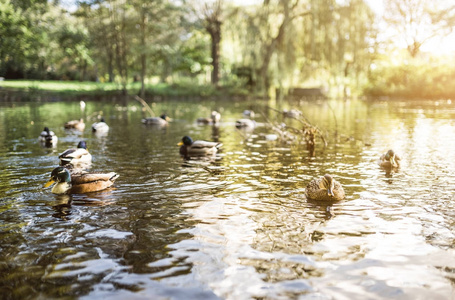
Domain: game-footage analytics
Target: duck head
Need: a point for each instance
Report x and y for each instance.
(328, 184)
(215, 116)
(82, 145)
(165, 117)
(59, 174)
(186, 140)
(390, 156)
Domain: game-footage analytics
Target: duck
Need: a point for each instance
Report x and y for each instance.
(79, 183)
(389, 160)
(214, 119)
(48, 137)
(325, 188)
(161, 120)
(188, 147)
(248, 113)
(75, 124)
(100, 126)
(82, 104)
(292, 113)
(75, 156)
(245, 124)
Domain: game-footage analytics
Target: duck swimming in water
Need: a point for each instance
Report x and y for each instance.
(389, 161)
(325, 188)
(100, 126)
(214, 119)
(75, 124)
(76, 156)
(48, 137)
(188, 147)
(67, 183)
(160, 121)
(245, 124)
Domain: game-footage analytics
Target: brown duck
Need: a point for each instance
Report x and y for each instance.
(325, 188)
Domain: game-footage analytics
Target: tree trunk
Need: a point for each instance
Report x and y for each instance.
(110, 66)
(269, 50)
(143, 54)
(214, 29)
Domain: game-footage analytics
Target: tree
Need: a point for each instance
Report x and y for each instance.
(12, 36)
(158, 23)
(212, 17)
(418, 21)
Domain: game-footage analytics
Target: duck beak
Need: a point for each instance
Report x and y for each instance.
(180, 144)
(329, 192)
(51, 181)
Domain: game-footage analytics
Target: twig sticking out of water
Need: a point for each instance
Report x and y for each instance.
(146, 106)
(289, 134)
(335, 118)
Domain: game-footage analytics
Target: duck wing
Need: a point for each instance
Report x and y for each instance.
(85, 178)
(204, 145)
(89, 187)
(71, 154)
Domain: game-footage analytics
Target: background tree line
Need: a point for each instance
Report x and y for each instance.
(272, 44)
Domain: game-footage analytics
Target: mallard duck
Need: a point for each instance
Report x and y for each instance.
(80, 155)
(67, 183)
(214, 119)
(325, 189)
(161, 120)
(100, 126)
(75, 124)
(188, 147)
(389, 160)
(245, 123)
(82, 104)
(48, 137)
(293, 113)
(248, 113)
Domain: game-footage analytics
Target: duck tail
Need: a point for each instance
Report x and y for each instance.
(114, 177)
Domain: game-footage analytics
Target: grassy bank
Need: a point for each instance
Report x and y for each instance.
(74, 88)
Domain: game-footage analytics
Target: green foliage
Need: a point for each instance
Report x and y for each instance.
(276, 43)
(417, 79)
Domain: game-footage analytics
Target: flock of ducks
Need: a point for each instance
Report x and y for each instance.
(70, 178)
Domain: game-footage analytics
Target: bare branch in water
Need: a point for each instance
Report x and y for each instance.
(146, 106)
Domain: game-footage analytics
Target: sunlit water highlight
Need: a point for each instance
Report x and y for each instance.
(237, 226)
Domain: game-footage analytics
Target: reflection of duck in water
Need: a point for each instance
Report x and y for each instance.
(325, 188)
(48, 137)
(160, 121)
(389, 161)
(79, 183)
(188, 147)
(214, 119)
(80, 155)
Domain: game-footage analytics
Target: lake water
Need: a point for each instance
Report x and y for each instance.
(236, 226)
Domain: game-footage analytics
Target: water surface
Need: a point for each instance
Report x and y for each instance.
(236, 226)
